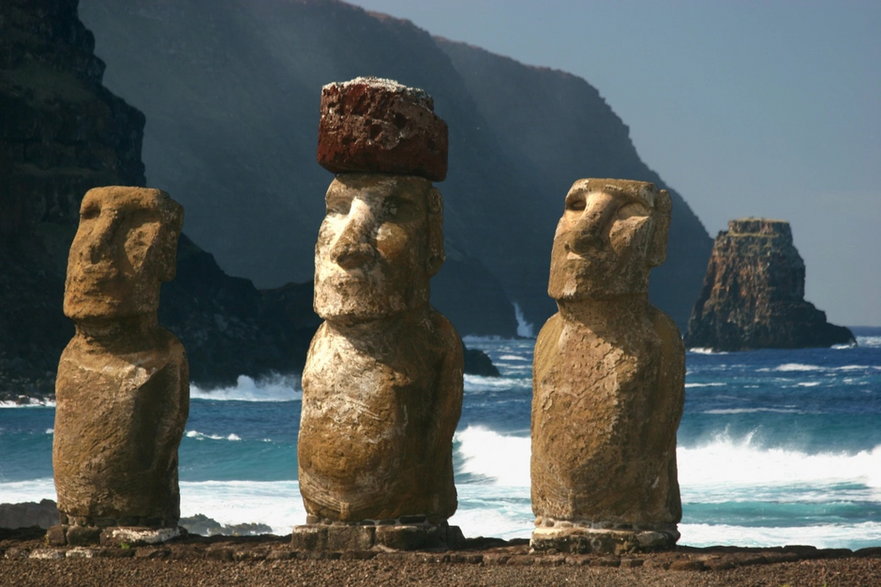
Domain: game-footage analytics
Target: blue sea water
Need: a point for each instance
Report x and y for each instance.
(775, 447)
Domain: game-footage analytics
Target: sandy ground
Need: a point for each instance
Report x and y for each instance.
(25, 559)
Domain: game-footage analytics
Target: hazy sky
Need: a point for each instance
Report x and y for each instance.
(746, 107)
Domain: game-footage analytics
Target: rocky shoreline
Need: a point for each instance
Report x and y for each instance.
(268, 559)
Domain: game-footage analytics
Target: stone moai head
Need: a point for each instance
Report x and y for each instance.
(611, 234)
(379, 244)
(382, 237)
(124, 248)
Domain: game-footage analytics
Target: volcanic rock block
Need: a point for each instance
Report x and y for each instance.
(608, 379)
(753, 294)
(382, 385)
(122, 387)
(379, 126)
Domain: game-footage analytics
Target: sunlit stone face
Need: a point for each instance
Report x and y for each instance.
(610, 235)
(124, 248)
(374, 253)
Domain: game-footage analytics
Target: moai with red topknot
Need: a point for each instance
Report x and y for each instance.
(382, 385)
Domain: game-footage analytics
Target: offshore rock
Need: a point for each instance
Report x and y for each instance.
(28, 514)
(379, 126)
(122, 388)
(753, 294)
(608, 379)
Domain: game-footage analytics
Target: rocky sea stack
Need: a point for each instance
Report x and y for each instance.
(753, 294)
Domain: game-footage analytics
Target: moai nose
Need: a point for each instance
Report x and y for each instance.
(354, 247)
(103, 233)
(591, 228)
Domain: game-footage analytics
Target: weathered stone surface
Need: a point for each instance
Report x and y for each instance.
(753, 294)
(28, 514)
(608, 376)
(382, 386)
(122, 388)
(379, 126)
(371, 534)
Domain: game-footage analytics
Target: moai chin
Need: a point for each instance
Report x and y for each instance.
(608, 379)
(382, 385)
(122, 388)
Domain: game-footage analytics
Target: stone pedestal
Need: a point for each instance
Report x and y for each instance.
(75, 535)
(399, 534)
(564, 536)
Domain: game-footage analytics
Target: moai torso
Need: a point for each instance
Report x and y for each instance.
(607, 379)
(118, 420)
(122, 388)
(377, 423)
(602, 409)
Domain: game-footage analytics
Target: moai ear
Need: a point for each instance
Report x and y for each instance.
(657, 252)
(435, 231)
(172, 223)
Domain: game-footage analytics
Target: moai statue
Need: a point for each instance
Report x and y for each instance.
(608, 379)
(122, 389)
(382, 385)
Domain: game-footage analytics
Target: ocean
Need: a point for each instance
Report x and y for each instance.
(776, 447)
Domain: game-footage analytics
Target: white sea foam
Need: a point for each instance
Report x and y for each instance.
(31, 403)
(499, 458)
(524, 328)
(492, 510)
(869, 341)
(821, 536)
(732, 411)
(274, 503)
(786, 367)
(30, 490)
(705, 384)
(50, 430)
(512, 358)
(277, 388)
(482, 383)
(724, 467)
(808, 384)
(858, 368)
(200, 436)
(706, 351)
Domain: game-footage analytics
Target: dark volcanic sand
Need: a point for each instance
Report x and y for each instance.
(269, 560)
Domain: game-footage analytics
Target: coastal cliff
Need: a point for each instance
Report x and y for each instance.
(231, 91)
(753, 294)
(61, 133)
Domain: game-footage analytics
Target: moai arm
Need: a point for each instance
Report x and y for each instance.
(447, 410)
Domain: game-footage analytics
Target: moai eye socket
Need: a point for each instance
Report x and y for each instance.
(576, 202)
(90, 211)
(339, 203)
